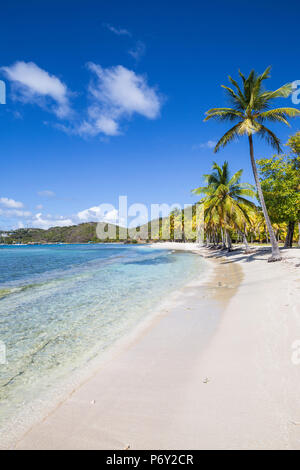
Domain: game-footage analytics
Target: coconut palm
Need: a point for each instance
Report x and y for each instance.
(225, 199)
(250, 110)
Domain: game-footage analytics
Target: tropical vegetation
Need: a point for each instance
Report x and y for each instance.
(250, 110)
(280, 180)
(230, 211)
(226, 204)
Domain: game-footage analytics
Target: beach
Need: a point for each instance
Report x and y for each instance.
(173, 386)
(149, 228)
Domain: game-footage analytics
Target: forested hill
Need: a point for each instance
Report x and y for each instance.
(82, 233)
(86, 232)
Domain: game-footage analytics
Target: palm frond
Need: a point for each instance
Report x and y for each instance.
(270, 137)
(222, 172)
(228, 136)
(242, 77)
(282, 92)
(257, 86)
(234, 99)
(279, 114)
(247, 186)
(211, 179)
(247, 203)
(243, 210)
(265, 74)
(240, 93)
(246, 192)
(201, 190)
(223, 114)
(235, 178)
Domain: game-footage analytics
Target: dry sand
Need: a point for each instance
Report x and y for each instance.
(185, 383)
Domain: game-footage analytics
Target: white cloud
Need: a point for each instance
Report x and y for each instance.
(37, 220)
(10, 203)
(33, 84)
(123, 91)
(107, 125)
(117, 31)
(103, 213)
(117, 93)
(46, 193)
(138, 50)
(13, 212)
(99, 123)
(45, 222)
(210, 144)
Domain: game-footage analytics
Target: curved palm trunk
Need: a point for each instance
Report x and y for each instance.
(276, 256)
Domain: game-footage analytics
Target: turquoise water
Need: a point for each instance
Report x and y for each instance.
(62, 305)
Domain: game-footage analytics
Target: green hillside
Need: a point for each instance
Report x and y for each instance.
(164, 228)
(82, 233)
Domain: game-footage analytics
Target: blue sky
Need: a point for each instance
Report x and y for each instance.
(108, 98)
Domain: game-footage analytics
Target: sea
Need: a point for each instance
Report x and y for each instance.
(61, 306)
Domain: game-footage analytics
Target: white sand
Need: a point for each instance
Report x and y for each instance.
(169, 388)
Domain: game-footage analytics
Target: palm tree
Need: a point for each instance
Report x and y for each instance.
(250, 109)
(225, 200)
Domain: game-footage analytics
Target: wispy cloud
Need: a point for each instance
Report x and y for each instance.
(117, 93)
(46, 193)
(10, 203)
(41, 221)
(117, 31)
(93, 214)
(20, 219)
(210, 144)
(31, 84)
(13, 213)
(37, 219)
(137, 51)
(12, 210)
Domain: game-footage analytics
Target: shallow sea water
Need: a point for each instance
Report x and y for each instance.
(63, 305)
